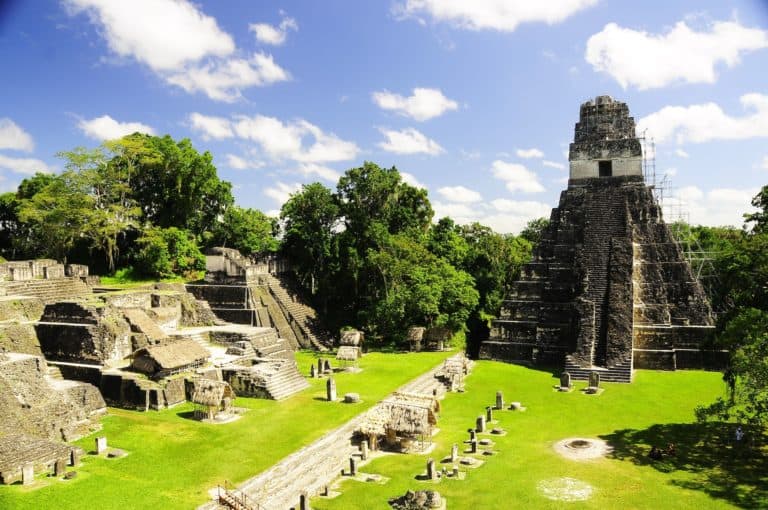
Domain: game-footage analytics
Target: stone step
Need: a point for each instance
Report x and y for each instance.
(54, 372)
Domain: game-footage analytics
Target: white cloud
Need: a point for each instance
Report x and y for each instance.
(14, 137)
(24, 165)
(216, 128)
(324, 172)
(411, 180)
(553, 164)
(502, 215)
(459, 194)
(239, 163)
(107, 128)
(163, 34)
(705, 122)
(647, 61)
(281, 191)
(282, 141)
(268, 34)
(680, 153)
(716, 207)
(529, 153)
(516, 177)
(671, 172)
(502, 15)
(224, 80)
(409, 141)
(765, 163)
(423, 105)
(181, 44)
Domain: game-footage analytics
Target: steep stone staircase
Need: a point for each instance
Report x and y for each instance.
(285, 381)
(49, 291)
(304, 317)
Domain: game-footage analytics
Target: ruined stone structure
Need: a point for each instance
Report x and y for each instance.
(258, 293)
(608, 288)
(42, 404)
(45, 279)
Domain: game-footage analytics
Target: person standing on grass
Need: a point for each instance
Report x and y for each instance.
(739, 434)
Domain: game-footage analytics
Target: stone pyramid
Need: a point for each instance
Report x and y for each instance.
(608, 288)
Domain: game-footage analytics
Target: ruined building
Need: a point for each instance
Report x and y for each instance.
(608, 288)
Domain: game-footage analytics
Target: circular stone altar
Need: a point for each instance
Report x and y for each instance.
(565, 489)
(579, 448)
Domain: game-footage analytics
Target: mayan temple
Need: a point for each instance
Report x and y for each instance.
(608, 289)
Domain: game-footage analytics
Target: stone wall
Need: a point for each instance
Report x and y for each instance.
(33, 404)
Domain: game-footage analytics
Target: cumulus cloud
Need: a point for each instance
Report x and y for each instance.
(276, 36)
(459, 194)
(502, 15)
(716, 207)
(282, 191)
(324, 172)
(502, 215)
(240, 163)
(297, 140)
(285, 140)
(423, 104)
(765, 163)
(224, 80)
(163, 34)
(14, 137)
(532, 153)
(553, 164)
(516, 177)
(706, 122)
(409, 141)
(680, 153)
(682, 55)
(411, 180)
(27, 166)
(216, 128)
(181, 44)
(107, 128)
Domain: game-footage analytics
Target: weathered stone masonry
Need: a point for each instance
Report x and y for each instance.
(608, 288)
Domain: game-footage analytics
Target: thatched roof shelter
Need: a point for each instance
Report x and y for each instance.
(405, 414)
(169, 357)
(211, 393)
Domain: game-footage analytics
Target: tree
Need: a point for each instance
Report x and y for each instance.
(533, 230)
(310, 219)
(58, 214)
(114, 210)
(760, 217)
(174, 185)
(747, 376)
(167, 252)
(419, 289)
(248, 230)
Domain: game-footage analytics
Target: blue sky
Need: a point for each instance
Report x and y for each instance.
(476, 101)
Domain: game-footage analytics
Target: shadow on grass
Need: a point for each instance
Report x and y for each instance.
(735, 473)
(187, 415)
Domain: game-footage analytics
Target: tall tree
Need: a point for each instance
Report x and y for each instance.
(174, 185)
(310, 220)
(248, 230)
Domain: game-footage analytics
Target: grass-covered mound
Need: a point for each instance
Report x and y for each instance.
(656, 409)
(173, 461)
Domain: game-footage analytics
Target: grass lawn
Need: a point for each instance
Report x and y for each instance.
(657, 408)
(172, 460)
